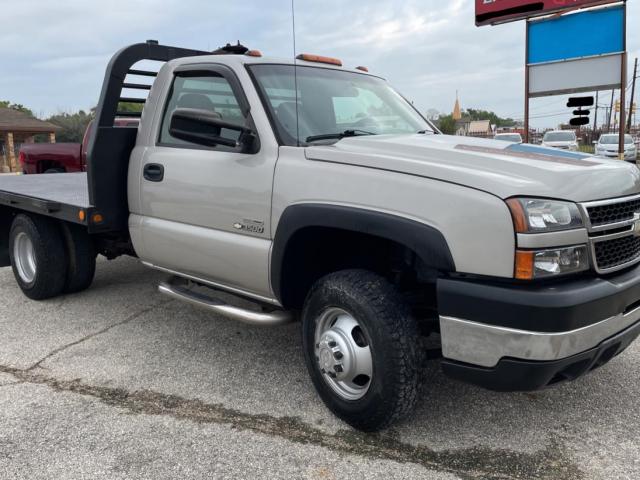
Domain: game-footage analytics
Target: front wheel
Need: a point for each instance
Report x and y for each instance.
(361, 348)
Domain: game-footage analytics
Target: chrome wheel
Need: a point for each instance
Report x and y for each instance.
(24, 257)
(343, 353)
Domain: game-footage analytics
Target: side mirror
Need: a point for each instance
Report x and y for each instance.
(594, 142)
(203, 127)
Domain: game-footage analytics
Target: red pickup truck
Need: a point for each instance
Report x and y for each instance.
(60, 157)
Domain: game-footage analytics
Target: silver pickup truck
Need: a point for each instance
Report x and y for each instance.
(319, 193)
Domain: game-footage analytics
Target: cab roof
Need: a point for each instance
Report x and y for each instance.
(242, 59)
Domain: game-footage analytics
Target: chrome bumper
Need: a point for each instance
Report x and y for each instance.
(484, 345)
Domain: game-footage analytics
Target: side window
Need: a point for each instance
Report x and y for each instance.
(212, 93)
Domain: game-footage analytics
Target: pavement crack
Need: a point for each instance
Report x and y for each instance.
(553, 462)
(62, 348)
(10, 384)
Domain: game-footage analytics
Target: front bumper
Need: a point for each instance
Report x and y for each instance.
(526, 337)
(628, 155)
(511, 374)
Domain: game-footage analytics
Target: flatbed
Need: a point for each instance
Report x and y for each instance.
(61, 195)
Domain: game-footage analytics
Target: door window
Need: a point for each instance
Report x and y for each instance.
(212, 93)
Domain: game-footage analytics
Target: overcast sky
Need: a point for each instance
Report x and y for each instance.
(54, 52)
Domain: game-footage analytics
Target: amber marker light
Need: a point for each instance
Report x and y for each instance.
(97, 218)
(524, 265)
(81, 215)
(518, 215)
(254, 53)
(364, 69)
(308, 57)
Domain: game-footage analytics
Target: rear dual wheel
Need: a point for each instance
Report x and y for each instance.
(49, 258)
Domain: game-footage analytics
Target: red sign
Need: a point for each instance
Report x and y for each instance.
(500, 11)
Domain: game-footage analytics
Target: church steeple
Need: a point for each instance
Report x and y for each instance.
(457, 113)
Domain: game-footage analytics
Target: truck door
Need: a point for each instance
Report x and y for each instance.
(205, 211)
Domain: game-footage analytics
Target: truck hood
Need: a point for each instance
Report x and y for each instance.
(499, 168)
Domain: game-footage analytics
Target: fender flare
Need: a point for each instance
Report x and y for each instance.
(426, 241)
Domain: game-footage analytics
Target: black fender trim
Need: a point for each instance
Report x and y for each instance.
(427, 242)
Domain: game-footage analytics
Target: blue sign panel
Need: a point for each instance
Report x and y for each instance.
(585, 34)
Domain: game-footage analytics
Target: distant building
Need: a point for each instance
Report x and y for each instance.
(475, 128)
(17, 128)
(457, 112)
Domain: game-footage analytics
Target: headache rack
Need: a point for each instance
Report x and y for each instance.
(110, 145)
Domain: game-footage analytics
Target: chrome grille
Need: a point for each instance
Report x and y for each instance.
(613, 234)
(613, 212)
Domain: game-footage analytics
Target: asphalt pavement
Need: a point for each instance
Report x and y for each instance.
(118, 382)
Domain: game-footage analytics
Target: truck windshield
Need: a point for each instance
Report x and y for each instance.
(614, 139)
(332, 104)
(559, 137)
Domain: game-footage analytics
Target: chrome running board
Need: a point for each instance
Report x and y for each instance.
(182, 290)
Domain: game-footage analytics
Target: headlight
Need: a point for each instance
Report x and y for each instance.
(532, 215)
(532, 264)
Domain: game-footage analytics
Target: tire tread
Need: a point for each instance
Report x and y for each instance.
(394, 322)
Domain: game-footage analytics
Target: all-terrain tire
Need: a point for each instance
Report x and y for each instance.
(393, 339)
(82, 258)
(42, 271)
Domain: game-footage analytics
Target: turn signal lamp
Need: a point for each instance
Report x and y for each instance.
(524, 265)
(308, 57)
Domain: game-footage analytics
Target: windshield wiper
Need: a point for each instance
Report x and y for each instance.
(332, 136)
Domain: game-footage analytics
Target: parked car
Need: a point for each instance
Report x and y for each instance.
(60, 157)
(608, 144)
(563, 139)
(268, 179)
(508, 137)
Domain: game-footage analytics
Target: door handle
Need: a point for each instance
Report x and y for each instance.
(154, 172)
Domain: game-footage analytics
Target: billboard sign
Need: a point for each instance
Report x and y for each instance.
(491, 12)
(575, 76)
(584, 34)
(576, 53)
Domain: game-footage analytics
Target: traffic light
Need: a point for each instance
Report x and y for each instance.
(617, 106)
(633, 108)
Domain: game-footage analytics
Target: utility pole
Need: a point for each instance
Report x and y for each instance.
(633, 92)
(595, 117)
(613, 93)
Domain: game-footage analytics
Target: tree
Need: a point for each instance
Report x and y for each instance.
(15, 106)
(447, 124)
(432, 114)
(473, 114)
(73, 125)
(130, 107)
